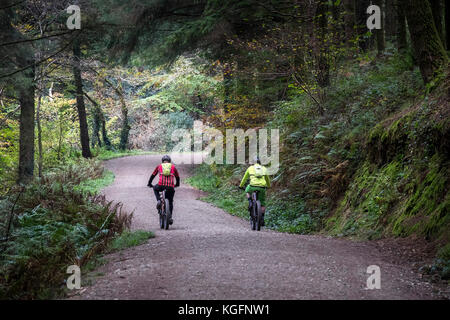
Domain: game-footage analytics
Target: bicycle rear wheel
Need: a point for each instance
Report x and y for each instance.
(167, 215)
(163, 215)
(258, 215)
(253, 217)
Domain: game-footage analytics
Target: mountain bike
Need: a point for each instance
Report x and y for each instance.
(164, 211)
(256, 217)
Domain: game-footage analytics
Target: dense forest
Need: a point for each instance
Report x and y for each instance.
(363, 116)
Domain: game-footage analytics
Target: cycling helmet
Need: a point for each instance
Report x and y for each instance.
(166, 158)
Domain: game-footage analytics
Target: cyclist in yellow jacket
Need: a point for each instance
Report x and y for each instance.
(259, 181)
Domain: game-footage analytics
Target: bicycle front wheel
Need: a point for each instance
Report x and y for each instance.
(161, 219)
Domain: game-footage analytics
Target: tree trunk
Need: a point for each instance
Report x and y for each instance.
(60, 136)
(40, 86)
(349, 21)
(447, 22)
(425, 39)
(26, 139)
(361, 22)
(38, 123)
(104, 133)
(380, 33)
(96, 130)
(84, 133)
(335, 10)
(95, 124)
(125, 125)
(390, 22)
(338, 31)
(323, 66)
(227, 81)
(24, 84)
(402, 43)
(99, 124)
(437, 9)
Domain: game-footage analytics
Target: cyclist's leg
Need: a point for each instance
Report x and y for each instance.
(157, 189)
(170, 192)
(262, 200)
(249, 197)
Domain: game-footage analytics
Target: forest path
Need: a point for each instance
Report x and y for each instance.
(209, 254)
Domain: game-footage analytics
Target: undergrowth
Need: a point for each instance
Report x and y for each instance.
(52, 223)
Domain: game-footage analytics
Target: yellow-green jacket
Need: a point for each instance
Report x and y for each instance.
(258, 176)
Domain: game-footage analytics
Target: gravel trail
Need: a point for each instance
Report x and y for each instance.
(209, 254)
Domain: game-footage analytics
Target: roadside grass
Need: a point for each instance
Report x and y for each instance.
(94, 186)
(94, 263)
(104, 154)
(121, 242)
(221, 185)
(234, 202)
(225, 196)
(130, 239)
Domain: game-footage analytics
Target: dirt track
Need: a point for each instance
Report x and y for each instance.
(209, 254)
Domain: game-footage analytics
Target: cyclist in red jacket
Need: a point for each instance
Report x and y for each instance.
(167, 172)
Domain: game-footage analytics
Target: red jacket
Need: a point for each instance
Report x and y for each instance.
(167, 181)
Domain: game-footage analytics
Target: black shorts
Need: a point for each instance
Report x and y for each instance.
(170, 192)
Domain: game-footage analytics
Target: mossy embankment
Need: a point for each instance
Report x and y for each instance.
(402, 187)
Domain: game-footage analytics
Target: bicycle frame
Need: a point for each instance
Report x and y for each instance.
(255, 197)
(254, 213)
(163, 200)
(164, 211)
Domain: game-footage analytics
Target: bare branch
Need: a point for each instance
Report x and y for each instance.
(35, 39)
(321, 109)
(12, 5)
(39, 62)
